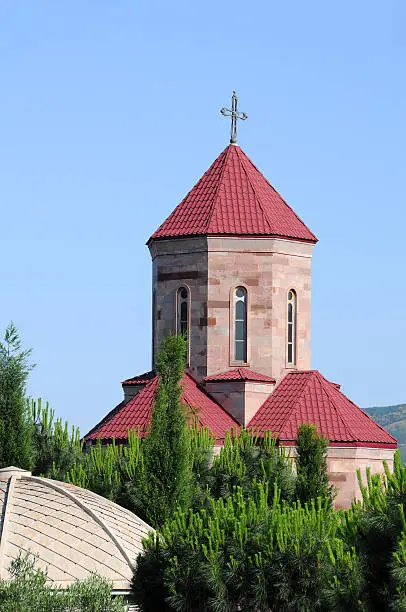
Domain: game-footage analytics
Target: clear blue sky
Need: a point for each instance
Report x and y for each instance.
(109, 113)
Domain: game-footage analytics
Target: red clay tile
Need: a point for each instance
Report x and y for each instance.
(137, 413)
(234, 198)
(240, 374)
(141, 379)
(307, 397)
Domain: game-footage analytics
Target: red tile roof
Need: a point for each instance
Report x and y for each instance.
(240, 374)
(141, 379)
(307, 397)
(234, 198)
(137, 413)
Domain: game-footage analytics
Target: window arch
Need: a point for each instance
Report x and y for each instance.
(240, 324)
(291, 330)
(182, 311)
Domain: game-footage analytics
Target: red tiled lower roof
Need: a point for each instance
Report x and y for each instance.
(141, 379)
(240, 374)
(308, 397)
(137, 413)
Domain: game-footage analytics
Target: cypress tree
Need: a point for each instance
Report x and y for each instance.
(311, 465)
(15, 430)
(166, 478)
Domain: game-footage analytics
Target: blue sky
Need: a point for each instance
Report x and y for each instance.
(109, 113)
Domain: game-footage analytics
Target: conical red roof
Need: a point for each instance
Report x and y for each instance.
(234, 198)
(308, 397)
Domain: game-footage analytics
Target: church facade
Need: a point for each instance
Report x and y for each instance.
(231, 269)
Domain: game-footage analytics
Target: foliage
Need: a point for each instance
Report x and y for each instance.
(28, 591)
(166, 479)
(238, 530)
(311, 465)
(93, 595)
(244, 553)
(246, 459)
(109, 470)
(399, 575)
(15, 430)
(380, 534)
(201, 442)
(56, 449)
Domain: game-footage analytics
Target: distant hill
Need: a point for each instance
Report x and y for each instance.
(393, 418)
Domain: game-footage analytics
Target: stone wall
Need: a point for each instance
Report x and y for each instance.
(267, 268)
(240, 398)
(175, 264)
(343, 464)
(211, 268)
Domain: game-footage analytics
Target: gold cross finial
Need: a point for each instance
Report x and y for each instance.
(235, 114)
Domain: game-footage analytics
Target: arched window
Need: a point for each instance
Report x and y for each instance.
(240, 324)
(291, 331)
(182, 307)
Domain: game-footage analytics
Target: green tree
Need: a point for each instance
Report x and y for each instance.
(380, 540)
(243, 553)
(399, 575)
(110, 470)
(166, 480)
(28, 591)
(57, 449)
(311, 465)
(246, 459)
(15, 430)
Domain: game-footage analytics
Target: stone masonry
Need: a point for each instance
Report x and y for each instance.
(211, 268)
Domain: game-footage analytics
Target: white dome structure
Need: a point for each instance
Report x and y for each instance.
(72, 531)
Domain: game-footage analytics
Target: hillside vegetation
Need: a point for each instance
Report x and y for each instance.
(393, 418)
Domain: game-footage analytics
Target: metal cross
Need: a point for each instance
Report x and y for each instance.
(235, 114)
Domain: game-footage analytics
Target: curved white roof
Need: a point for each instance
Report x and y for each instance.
(73, 532)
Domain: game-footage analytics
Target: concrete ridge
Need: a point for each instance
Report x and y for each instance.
(6, 518)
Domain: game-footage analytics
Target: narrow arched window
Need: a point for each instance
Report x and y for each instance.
(182, 325)
(240, 324)
(291, 331)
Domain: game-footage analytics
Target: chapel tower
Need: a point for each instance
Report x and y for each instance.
(232, 270)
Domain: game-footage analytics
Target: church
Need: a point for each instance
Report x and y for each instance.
(231, 269)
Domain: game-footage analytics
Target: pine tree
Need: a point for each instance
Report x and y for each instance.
(57, 449)
(311, 465)
(166, 479)
(15, 429)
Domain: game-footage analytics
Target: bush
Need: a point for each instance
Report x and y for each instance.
(246, 459)
(380, 536)
(28, 591)
(244, 553)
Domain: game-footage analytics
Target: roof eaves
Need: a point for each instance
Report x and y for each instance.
(105, 419)
(210, 234)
